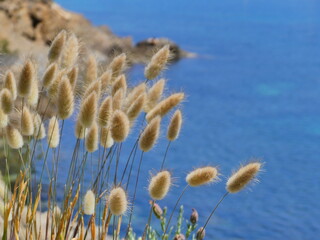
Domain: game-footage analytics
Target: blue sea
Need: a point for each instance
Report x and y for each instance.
(252, 92)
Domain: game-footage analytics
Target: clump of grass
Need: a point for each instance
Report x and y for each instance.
(102, 107)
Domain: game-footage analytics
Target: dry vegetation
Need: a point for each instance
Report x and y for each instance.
(103, 110)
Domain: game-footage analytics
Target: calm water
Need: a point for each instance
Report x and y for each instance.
(254, 91)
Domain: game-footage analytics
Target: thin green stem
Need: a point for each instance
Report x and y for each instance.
(175, 206)
(213, 211)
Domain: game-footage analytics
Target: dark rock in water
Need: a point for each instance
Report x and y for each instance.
(148, 47)
(28, 26)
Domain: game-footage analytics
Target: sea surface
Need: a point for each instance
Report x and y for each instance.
(252, 92)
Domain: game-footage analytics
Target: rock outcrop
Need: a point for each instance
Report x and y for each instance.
(28, 26)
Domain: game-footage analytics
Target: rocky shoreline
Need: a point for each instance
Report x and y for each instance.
(28, 26)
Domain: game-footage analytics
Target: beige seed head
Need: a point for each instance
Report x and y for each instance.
(243, 177)
(56, 213)
(73, 76)
(134, 94)
(150, 135)
(163, 107)
(14, 138)
(88, 110)
(118, 202)
(174, 126)
(117, 65)
(157, 63)
(119, 83)
(6, 101)
(105, 112)
(71, 52)
(79, 130)
(136, 107)
(89, 203)
(154, 94)
(106, 140)
(105, 80)
(49, 75)
(120, 126)
(5, 192)
(65, 101)
(54, 86)
(39, 130)
(3, 119)
(27, 126)
(92, 138)
(117, 100)
(160, 185)
(53, 136)
(95, 86)
(10, 84)
(91, 70)
(57, 46)
(34, 94)
(26, 77)
(201, 176)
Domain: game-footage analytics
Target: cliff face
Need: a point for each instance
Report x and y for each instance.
(29, 26)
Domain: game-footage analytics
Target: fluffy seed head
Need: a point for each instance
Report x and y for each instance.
(117, 65)
(117, 100)
(39, 130)
(119, 83)
(160, 185)
(105, 80)
(34, 94)
(57, 46)
(150, 135)
(65, 101)
(26, 77)
(94, 86)
(79, 130)
(10, 84)
(136, 107)
(201, 176)
(120, 126)
(154, 94)
(14, 138)
(89, 202)
(49, 75)
(88, 110)
(91, 70)
(6, 101)
(56, 213)
(174, 126)
(53, 133)
(92, 138)
(134, 94)
(118, 202)
(27, 126)
(163, 107)
(106, 140)
(70, 52)
(105, 112)
(54, 86)
(243, 177)
(3, 119)
(73, 76)
(157, 63)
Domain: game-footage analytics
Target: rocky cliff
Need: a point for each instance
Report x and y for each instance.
(28, 26)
